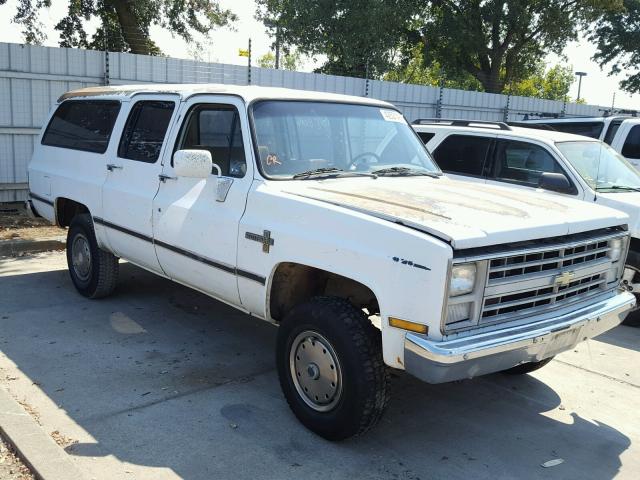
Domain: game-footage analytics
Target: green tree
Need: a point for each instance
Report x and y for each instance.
(289, 61)
(551, 84)
(125, 24)
(500, 42)
(356, 36)
(617, 37)
(413, 69)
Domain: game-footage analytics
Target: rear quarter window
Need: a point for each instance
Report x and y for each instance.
(631, 148)
(82, 125)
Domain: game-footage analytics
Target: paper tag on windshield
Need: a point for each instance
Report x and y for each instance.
(391, 115)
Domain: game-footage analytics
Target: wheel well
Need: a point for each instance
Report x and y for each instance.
(66, 209)
(635, 244)
(294, 283)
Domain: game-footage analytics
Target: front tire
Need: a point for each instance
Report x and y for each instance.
(631, 279)
(527, 367)
(329, 359)
(94, 272)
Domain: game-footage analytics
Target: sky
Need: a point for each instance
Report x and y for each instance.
(597, 87)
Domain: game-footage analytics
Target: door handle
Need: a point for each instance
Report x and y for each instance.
(112, 166)
(164, 178)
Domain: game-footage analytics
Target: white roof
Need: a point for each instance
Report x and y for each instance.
(247, 93)
(514, 132)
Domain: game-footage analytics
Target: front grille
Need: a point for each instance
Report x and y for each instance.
(532, 279)
(539, 297)
(515, 266)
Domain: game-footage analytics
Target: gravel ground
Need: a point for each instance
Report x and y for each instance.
(15, 223)
(11, 468)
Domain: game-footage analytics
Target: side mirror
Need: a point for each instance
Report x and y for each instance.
(192, 163)
(555, 182)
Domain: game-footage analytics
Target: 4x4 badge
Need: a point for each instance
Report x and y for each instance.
(265, 239)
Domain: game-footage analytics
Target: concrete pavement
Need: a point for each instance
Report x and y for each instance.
(160, 382)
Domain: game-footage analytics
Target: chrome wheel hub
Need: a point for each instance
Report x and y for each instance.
(81, 257)
(315, 371)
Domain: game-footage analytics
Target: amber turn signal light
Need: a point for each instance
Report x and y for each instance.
(407, 325)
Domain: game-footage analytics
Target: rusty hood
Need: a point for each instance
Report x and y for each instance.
(464, 214)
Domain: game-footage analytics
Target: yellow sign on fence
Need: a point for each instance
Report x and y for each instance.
(243, 53)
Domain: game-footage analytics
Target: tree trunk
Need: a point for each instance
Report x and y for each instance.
(137, 39)
(491, 81)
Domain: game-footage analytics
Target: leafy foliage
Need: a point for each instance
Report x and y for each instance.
(124, 24)
(617, 37)
(288, 61)
(500, 42)
(551, 84)
(356, 36)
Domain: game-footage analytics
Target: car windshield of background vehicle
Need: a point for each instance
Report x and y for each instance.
(314, 139)
(604, 169)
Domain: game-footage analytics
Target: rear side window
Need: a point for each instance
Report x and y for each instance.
(463, 154)
(82, 125)
(588, 129)
(425, 136)
(631, 147)
(145, 130)
(611, 132)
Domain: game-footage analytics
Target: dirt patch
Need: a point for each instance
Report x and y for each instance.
(11, 468)
(16, 224)
(62, 440)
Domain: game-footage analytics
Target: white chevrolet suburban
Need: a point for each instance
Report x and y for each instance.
(542, 161)
(325, 215)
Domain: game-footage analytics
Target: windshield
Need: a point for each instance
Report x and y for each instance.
(296, 138)
(600, 166)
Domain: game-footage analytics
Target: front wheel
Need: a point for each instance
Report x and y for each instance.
(631, 280)
(527, 367)
(329, 359)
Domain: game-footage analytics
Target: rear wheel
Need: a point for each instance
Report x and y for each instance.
(329, 359)
(631, 279)
(94, 272)
(527, 367)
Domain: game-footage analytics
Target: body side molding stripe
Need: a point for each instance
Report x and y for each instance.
(193, 256)
(41, 199)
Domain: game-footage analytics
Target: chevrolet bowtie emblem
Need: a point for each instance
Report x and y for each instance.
(564, 279)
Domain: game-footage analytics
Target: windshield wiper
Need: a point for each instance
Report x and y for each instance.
(401, 171)
(620, 187)
(330, 172)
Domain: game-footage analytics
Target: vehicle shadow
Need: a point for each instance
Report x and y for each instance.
(164, 377)
(622, 336)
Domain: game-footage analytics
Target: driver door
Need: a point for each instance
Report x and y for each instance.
(196, 229)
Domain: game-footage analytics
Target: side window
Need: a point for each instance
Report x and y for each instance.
(611, 132)
(588, 129)
(426, 136)
(145, 130)
(523, 162)
(631, 148)
(216, 128)
(82, 125)
(463, 154)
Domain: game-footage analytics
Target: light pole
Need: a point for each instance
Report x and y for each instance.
(580, 75)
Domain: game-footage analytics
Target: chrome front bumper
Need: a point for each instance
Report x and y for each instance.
(488, 352)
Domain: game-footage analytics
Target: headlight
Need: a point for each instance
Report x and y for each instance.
(463, 279)
(616, 246)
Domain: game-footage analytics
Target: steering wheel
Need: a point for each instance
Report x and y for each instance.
(353, 164)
